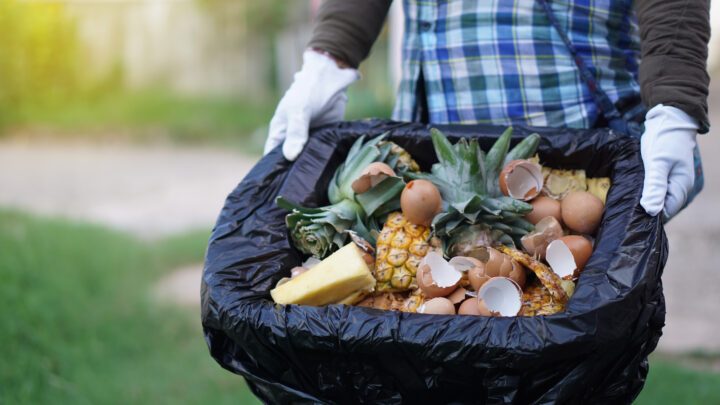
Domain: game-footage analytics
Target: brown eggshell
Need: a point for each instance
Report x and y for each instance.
(470, 307)
(483, 309)
(546, 231)
(580, 248)
(567, 256)
(502, 296)
(438, 306)
(543, 207)
(372, 174)
(517, 274)
(582, 212)
(420, 201)
(497, 265)
(521, 179)
(457, 296)
(427, 284)
(477, 276)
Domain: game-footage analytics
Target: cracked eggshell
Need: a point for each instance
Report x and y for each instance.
(501, 265)
(470, 307)
(502, 296)
(543, 206)
(567, 255)
(582, 212)
(546, 231)
(457, 296)
(521, 179)
(436, 277)
(437, 306)
(420, 201)
(373, 174)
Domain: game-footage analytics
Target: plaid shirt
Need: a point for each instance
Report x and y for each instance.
(502, 62)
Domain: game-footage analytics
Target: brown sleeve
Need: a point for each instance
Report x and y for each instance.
(674, 36)
(347, 29)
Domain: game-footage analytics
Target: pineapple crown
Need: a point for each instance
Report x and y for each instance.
(467, 179)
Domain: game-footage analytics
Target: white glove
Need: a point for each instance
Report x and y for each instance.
(316, 97)
(667, 152)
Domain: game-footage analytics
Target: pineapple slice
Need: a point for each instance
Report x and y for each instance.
(343, 277)
(599, 186)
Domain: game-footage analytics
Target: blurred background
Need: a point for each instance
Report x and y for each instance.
(123, 126)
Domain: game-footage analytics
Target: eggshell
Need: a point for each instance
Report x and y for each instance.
(567, 256)
(521, 179)
(483, 309)
(436, 277)
(373, 174)
(457, 296)
(469, 307)
(438, 306)
(543, 207)
(546, 231)
(501, 296)
(580, 247)
(497, 265)
(420, 201)
(582, 212)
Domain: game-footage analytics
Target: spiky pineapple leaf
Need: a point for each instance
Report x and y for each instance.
(496, 155)
(386, 190)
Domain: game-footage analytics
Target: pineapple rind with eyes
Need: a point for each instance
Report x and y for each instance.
(401, 246)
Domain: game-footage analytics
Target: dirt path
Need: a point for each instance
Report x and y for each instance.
(150, 191)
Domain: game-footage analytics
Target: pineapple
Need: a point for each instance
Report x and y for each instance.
(467, 179)
(401, 247)
(343, 278)
(537, 300)
(547, 277)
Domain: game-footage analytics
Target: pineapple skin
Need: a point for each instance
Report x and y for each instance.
(400, 249)
(342, 277)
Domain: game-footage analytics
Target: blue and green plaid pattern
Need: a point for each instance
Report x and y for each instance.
(502, 62)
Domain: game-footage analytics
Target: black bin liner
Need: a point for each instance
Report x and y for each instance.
(594, 352)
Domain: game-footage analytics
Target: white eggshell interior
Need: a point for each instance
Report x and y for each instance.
(461, 263)
(442, 272)
(560, 258)
(502, 295)
(523, 178)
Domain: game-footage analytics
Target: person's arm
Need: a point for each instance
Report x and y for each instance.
(674, 35)
(347, 29)
(674, 85)
(343, 35)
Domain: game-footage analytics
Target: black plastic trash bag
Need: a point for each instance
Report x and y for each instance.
(594, 352)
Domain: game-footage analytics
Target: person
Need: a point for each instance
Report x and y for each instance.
(570, 63)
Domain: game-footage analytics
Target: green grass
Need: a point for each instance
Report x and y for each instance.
(150, 115)
(673, 383)
(80, 326)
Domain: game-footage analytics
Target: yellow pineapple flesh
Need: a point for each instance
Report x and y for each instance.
(537, 300)
(401, 247)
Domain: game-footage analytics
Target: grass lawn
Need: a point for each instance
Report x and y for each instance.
(80, 325)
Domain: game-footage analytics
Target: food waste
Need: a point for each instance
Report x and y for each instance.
(483, 233)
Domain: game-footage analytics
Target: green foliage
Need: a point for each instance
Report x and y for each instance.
(39, 54)
(81, 326)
